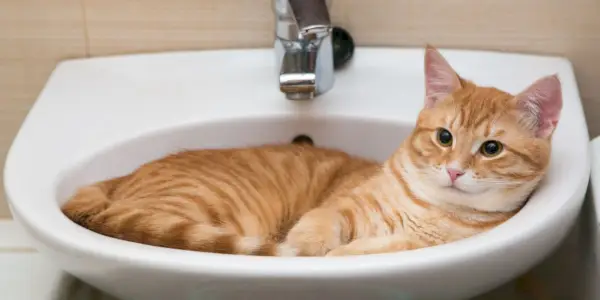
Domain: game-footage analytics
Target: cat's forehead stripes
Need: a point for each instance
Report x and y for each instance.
(476, 107)
(496, 133)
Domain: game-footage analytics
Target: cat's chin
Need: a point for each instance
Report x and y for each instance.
(459, 190)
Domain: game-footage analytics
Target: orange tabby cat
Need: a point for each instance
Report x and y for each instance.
(475, 155)
(473, 159)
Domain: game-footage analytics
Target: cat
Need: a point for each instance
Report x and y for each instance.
(473, 158)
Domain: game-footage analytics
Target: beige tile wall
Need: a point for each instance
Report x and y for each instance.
(35, 34)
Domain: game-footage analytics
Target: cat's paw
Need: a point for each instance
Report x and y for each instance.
(309, 242)
(375, 245)
(296, 246)
(345, 250)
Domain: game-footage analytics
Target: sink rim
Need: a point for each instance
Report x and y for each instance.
(268, 266)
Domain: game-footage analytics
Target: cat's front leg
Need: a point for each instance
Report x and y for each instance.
(319, 231)
(375, 245)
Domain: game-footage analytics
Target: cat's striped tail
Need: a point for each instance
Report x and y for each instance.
(92, 208)
(89, 201)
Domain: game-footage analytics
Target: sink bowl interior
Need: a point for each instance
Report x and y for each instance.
(369, 138)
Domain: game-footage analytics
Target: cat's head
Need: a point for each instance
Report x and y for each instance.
(479, 146)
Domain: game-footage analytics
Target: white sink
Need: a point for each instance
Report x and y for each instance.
(103, 117)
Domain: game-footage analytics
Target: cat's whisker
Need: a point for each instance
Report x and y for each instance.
(501, 182)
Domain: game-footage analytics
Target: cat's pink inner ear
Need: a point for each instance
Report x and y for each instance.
(541, 103)
(440, 78)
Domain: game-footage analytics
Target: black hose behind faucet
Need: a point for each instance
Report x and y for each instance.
(343, 47)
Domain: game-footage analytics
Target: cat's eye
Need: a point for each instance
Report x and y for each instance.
(491, 148)
(444, 137)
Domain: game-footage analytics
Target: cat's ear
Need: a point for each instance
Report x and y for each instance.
(541, 104)
(440, 78)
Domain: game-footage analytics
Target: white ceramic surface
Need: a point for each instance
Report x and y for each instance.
(104, 116)
(31, 276)
(26, 274)
(595, 174)
(561, 275)
(594, 195)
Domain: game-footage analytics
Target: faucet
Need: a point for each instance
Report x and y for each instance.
(303, 48)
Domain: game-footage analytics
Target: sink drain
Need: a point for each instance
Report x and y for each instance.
(303, 139)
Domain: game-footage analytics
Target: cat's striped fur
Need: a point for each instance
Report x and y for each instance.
(304, 200)
(226, 201)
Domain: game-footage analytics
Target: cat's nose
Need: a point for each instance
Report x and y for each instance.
(454, 174)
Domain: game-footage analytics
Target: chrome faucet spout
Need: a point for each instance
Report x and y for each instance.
(303, 48)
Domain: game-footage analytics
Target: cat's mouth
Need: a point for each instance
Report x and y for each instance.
(455, 189)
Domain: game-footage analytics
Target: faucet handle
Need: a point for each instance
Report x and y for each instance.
(312, 17)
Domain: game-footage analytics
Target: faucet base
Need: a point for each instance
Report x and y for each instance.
(300, 96)
(303, 48)
(305, 69)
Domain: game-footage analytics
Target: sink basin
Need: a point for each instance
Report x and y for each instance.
(103, 117)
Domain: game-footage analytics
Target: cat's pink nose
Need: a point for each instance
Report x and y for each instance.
(454, 174)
